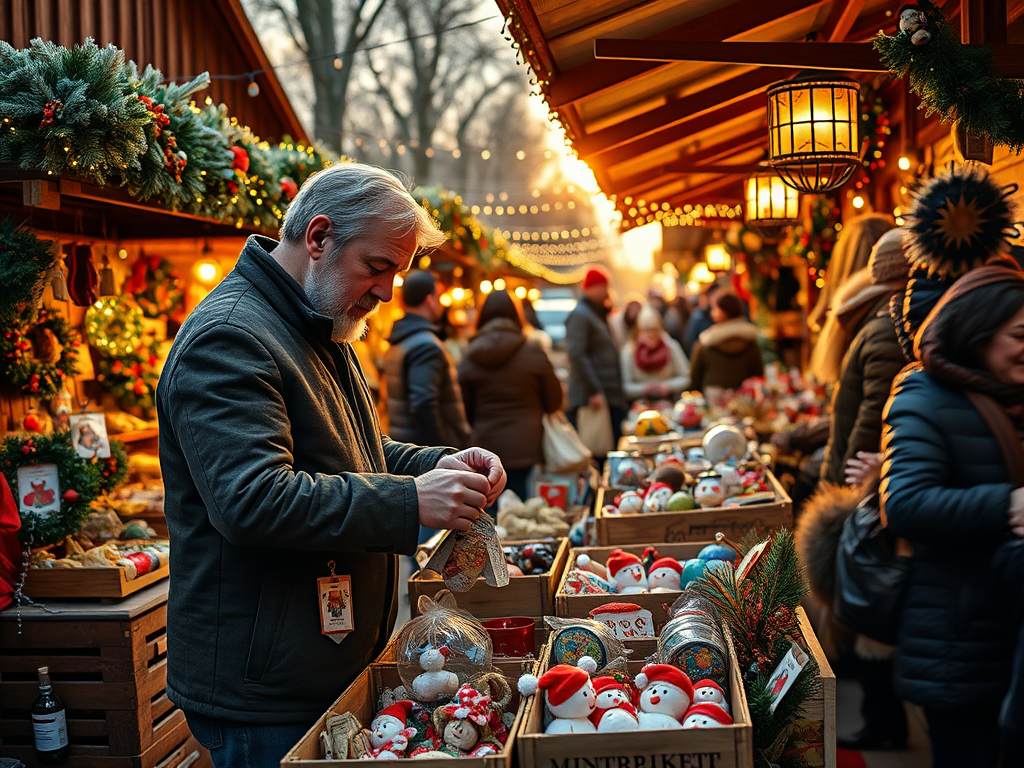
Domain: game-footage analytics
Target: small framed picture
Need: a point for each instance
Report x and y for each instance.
(89, 435)
(39, 489)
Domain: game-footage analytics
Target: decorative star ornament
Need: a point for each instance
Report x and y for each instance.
(960, 222)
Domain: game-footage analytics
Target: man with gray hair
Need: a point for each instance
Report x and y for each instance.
(277, 477)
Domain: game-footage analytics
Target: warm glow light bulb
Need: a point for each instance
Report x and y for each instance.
(207, 272)
(399, 281)
(521, 293)
(858, 202)
(458, 294)
(499, 284)
(534, 294)
(904, 163)
(486, 287)
(446, 300)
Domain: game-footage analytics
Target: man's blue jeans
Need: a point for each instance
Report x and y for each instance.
(236, 745)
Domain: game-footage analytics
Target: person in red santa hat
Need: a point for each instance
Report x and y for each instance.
(626, 572)
(389, 736)
(570, 697)
(666, 693)
(595, 380)
(706, 716)
(615, 709)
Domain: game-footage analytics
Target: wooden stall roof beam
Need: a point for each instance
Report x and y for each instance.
(841, 18)
(663, 138)
(1007, 59)
(675, 112)
(738, 18)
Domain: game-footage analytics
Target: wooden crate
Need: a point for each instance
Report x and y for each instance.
(108, 583)
(361, 700)
(730, 746)
(696, 524)
(816, 731)
(108, 665)
(580, 606)
(524, 596)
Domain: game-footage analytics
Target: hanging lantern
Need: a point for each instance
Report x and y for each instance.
(813, 137)
(771, 204)
(717, 258)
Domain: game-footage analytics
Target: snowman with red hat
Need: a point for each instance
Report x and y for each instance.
(626, 572)
(665, 575)
(709, 692)
(615, 710)
(706, 716)
(666, 693)
(389, 734)
(569, 694)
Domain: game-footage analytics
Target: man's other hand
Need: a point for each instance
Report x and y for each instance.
(451, 498)
(483, 463)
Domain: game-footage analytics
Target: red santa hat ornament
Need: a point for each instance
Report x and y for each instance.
(665, 673)
(667, 562)
(706, 716)
(400, 710)
(619, 560)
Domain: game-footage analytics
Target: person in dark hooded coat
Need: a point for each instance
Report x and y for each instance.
(727, 353)
(508, 384)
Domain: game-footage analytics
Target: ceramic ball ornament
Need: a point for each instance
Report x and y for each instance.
(680, 501)
(631, 503)
(724, 442)
(666, 693)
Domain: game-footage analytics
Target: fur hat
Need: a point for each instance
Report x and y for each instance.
(596, 275)
(887, 263)
(665, 673)
(817, 535)
(649, 319)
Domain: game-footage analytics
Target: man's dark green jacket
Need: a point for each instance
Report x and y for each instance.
(273, 465)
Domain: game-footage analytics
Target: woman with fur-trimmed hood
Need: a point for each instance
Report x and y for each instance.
(727, 353)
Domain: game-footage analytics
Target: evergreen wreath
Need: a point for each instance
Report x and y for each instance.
(760, 611)
(113, 326)
(956, 81)
(38, 357)
(78, 484)
(26, 266)
(71, 111)
(131, 379)
(112, 471)
(156, 286)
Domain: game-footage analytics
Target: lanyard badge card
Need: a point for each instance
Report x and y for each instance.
(335, 605)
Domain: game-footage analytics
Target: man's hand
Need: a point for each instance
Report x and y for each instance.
(597, 402)
(1017, 512)
(451, 498)
(865, 467)
(483, 463)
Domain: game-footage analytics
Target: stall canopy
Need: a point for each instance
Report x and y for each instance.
(675, 133)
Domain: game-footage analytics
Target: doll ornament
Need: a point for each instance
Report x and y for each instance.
(389, 735)
(666, 693)
(434, 683)
(914, 22)
(467, 725)
(709, 692)
(570, 697)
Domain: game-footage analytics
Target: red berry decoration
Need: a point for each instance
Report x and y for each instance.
(70, 495)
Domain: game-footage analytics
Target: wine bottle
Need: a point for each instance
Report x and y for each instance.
(49, 725)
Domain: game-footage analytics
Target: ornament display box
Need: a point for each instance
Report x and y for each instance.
(692, 525)
(580, 606)
(109, 583)
(730, 746)
(524, 595)
(361, 700)
(814, 737)
(108, 664)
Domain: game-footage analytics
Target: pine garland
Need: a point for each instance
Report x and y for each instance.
(957, 82)
(39, 357)
(112, 471)
(26, 265)
(70, 111)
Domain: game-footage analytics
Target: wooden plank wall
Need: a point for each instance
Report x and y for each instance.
(179, 37)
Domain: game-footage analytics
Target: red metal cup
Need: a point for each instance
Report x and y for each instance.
(513, 636)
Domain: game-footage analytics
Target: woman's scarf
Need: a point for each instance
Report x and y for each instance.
(652, 358)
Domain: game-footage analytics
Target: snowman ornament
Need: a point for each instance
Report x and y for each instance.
(710, 490)
(657, 497)
(434, 682)
(706, 716)
(615, 711)
(627, 573)
(666, 693)
(389, 736)
(914, 22)
(665, 575)
(709, 692)
(569, 694)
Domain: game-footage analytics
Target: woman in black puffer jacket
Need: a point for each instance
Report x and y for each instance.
(952, 490)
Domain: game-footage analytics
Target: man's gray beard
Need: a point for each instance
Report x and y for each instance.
(330, 300)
